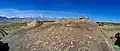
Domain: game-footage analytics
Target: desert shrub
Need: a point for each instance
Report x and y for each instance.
(112, 37)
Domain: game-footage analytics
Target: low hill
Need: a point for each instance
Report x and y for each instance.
(108, 23)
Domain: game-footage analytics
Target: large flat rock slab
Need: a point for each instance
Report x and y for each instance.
(69, 35)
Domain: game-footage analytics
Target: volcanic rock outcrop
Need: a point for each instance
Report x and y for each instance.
(66, 35)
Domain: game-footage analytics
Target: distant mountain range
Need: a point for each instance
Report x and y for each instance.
(6, 19)
(41, 18)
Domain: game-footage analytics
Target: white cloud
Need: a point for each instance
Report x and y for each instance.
(14, 12)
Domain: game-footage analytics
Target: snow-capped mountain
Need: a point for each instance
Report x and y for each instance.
(42, 18)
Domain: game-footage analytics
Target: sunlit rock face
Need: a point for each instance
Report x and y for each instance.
(34, 23)
(68, 35)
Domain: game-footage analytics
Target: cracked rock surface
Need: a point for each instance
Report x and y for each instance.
(68, 35)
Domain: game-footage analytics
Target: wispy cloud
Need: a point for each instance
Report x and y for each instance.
(58, 14)
(23, 13)
(14, 12)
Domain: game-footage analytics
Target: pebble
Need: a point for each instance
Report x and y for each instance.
(90, 37)
(59, 41)
(71, 46)
(71, 42)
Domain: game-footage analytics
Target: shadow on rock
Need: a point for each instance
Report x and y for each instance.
(117, 35)
(4, 46)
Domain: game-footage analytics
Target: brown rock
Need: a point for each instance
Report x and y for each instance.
(34, 23)
(69, 35)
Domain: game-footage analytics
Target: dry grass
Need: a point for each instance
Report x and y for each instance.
(9, 27)
(110, 30)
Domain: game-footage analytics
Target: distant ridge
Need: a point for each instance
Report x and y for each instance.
(107, 23)
(6, 19)
(45, 18)
(41, 18)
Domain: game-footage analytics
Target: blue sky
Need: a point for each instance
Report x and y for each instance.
(100, 10)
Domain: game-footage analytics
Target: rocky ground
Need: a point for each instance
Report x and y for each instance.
(65, 35)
